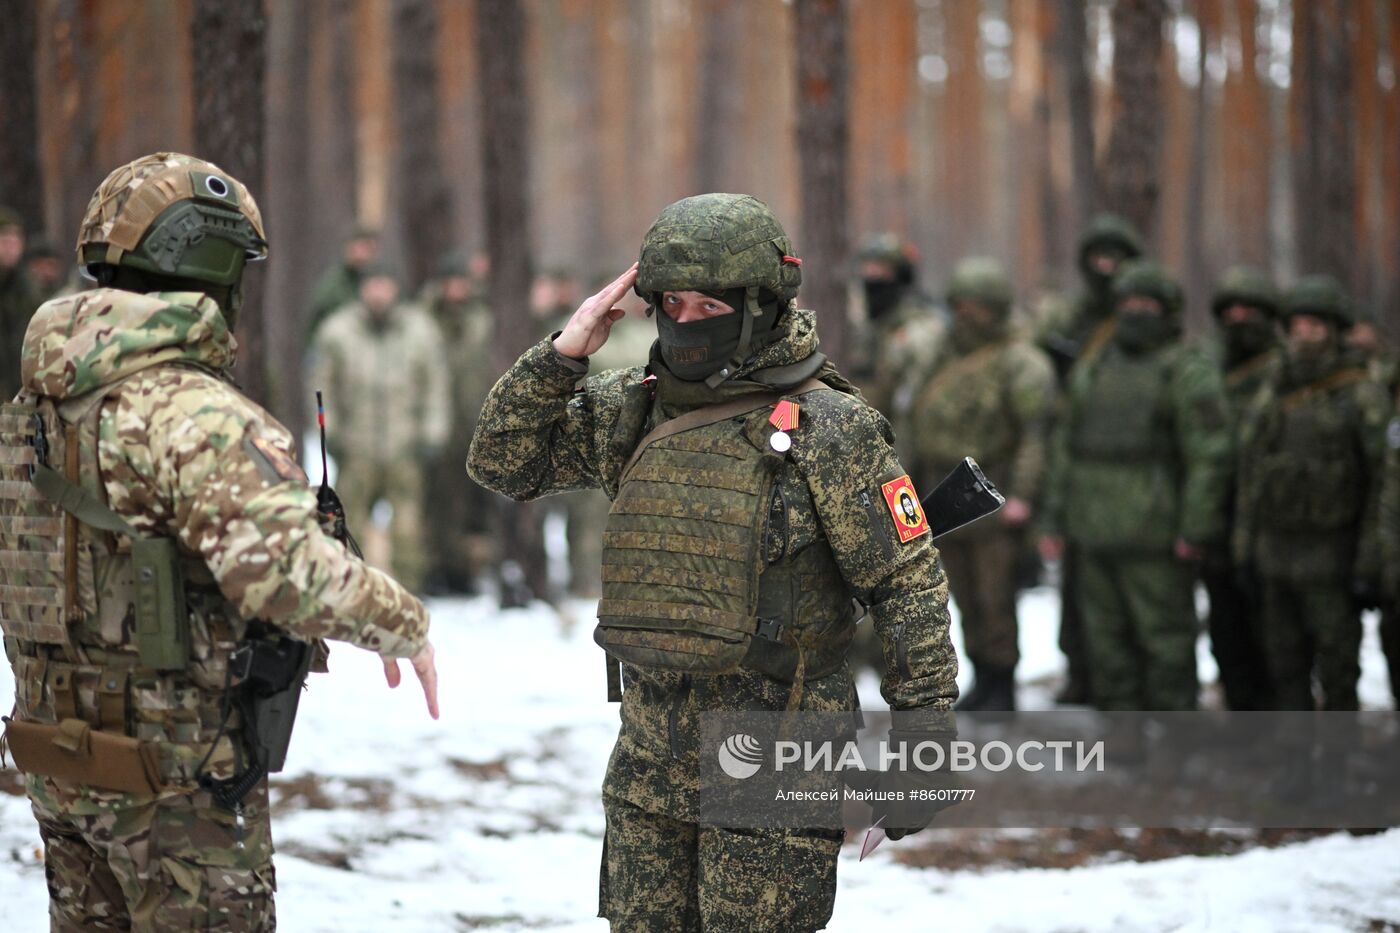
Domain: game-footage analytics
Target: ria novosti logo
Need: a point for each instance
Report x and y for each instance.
(740, 756)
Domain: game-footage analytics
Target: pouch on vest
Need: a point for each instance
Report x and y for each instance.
(74, 752)
(162, 629)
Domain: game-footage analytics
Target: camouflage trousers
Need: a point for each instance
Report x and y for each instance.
(982, 577)
(362, 483)
(660, 873)
(1234, 639)
(1312, 630)
(158, 865)
(1140, 621)
(1073, 642)
(1390, 647)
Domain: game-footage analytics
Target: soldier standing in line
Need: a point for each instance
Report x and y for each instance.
(1082, 330)
(381, 363)
(988, 396)
(340, 285)
(1246, 308)
(1309, 495)
(129, 457)
(1139, 474)
(17, 299)
(47, 270)
(458, 514)
(731, 554)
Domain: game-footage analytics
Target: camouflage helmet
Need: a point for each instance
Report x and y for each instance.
(174, 215)
(888, 248)
(1321, 296)
(717, 242)
(1143, 277)
(981, 279)
(1243, 285)
(1109, 231)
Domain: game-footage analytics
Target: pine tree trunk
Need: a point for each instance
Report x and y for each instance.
(229, 40)
(823, 145)
(424, 195)
(1130, 171)
(1072, 52)
(21, 176)
(505, 172)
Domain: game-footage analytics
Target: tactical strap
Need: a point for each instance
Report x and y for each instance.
(79, 503)
(1337, 380)
(1098, 339)
(960, 368)
(712, 414)
(1248, 368)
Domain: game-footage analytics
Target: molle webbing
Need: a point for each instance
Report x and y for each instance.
(33, 535)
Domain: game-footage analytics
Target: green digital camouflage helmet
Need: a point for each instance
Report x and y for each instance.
(890, 249)
(1109, 231)
(1321, 296)
(172, 215)
(983, 280)
(1243, 285)
(1146, 278)
(722, 245)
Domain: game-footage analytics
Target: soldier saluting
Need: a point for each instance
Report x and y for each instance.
(162, 554)
(731, 554)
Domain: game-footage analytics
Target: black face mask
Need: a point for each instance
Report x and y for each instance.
(1140, 331)
(881, 297)
(695, 350)
(1248, 339)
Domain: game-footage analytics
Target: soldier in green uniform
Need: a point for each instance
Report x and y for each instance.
(1140, 472)
(154, 527)
(1246, 308)
(1389, 535)
(17, 299)
(340, 285)
(458, 514)
(988, 395)
(1080, 330)
(901, 330)
(1308, 498)
(47, 271)
(381, 363)
(731, 554)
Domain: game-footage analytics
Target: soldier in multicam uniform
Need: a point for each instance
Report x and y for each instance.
(381, 364)
(340, 284)
(458, 514)
(1139, 475)
(1081, 329)
(902, 329)
(988, 395)
(1311, 447)
(1246, 307)
(147, 448)
(17, 299)
(731, 553)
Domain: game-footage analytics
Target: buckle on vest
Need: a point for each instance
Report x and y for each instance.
(771, 629)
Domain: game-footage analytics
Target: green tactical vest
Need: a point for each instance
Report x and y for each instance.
(100, 623)
(965, 411)
(1126, 415)
(696, 576)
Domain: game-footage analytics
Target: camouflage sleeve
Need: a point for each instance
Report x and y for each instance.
(539, 433)
(1051, 520)
(1201, 416)
(1248, 421)
(437, 389)
(185, 455)
(1031, 393)
(844, 452)
(1375, 410)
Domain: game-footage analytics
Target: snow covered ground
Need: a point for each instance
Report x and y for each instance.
(490, 818)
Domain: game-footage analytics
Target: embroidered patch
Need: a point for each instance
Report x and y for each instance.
(271, 460)
(904, 507)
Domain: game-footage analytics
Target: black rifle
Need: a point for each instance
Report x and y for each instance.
(963, 496)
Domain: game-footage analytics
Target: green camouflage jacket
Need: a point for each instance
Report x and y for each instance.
(339, 286)
(546, 429)
(903, 342)
(17, 303)
(1141, 456)
(1309, 487)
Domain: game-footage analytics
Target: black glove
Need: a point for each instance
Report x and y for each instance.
(912, 795)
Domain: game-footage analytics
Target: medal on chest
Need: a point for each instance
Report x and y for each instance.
(784, 418)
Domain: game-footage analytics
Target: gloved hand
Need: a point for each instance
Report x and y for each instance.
(912, 795)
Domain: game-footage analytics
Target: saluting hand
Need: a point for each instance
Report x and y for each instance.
(425, 666)
(592, 323)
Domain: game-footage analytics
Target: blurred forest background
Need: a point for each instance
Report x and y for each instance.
(549, 133)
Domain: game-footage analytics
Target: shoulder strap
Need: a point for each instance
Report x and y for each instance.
(712, 414)
(79, 502)
(957, 368)
(1337, 380)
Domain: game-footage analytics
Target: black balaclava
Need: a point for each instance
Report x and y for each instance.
(699, 349)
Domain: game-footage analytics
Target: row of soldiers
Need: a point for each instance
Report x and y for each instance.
(1257, 461)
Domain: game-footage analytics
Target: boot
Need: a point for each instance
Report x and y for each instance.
(993, 690)
(975, 697)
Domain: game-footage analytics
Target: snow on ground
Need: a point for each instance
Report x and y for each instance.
(490, 818)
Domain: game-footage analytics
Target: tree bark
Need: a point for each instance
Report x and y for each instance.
(1246, 146)
(424, 195)
(229, 40)
(1130, 172)
(823, 144)
(21, 175)
(1324, 141)
(506, 175)
(1072, 54)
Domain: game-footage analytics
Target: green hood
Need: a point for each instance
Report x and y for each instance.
(81, 343)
